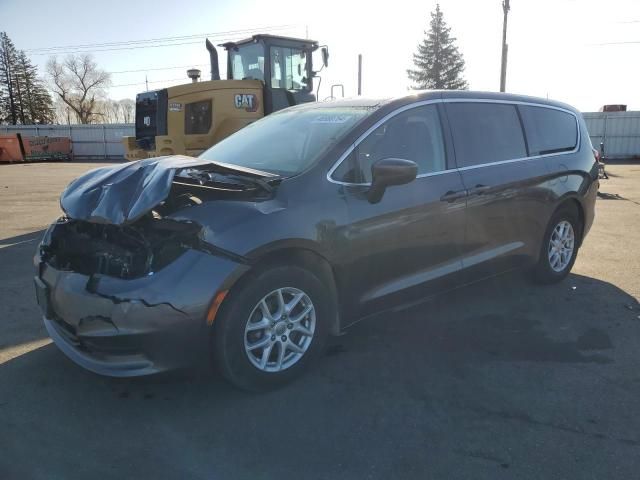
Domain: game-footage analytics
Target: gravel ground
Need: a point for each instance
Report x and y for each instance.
(497, 380)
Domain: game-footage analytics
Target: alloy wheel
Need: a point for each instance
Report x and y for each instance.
(561, 246)
(280, 329)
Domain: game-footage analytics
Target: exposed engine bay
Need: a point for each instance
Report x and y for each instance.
(108, 230)
(128, 251)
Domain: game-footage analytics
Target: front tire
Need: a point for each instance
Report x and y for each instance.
(559, 247)
(271, 327)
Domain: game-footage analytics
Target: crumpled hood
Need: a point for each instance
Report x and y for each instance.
(123, 193)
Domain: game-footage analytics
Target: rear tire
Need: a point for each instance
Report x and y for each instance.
(559, 247)
(271, 327)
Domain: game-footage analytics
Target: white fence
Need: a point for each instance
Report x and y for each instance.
(88, 141)
(619, 131)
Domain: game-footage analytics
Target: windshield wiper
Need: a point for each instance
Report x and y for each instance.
(241, 179)
(259, 182)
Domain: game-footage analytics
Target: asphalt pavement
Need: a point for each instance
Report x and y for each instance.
(501, 379)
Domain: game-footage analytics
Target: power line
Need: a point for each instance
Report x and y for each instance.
(159, 68)
(112, 49)
(162, 39)
(153, 81)
(615, 43)
(142, 43)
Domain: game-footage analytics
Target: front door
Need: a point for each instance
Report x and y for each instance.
(408, 244)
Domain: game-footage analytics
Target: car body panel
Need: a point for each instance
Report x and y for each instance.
(410, 238)
(410, 245)
(135, 327)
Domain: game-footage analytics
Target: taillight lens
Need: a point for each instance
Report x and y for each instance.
(596, 154)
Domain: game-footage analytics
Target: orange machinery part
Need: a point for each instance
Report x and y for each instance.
(16, 148)
(11, 149)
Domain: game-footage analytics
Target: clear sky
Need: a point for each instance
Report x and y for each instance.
(555, 46)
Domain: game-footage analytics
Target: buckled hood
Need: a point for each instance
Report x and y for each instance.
(123, 193)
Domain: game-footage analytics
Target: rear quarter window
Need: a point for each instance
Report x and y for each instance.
(485, 133)
(549, 130)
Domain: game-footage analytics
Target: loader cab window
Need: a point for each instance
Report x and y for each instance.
(197, 118)
(247, 62)
(288, 68)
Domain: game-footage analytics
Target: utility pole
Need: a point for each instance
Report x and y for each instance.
(359, 74)
(146, 81)
(505, 47)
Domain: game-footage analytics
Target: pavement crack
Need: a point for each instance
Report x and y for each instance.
(528, 419)
(482, 456)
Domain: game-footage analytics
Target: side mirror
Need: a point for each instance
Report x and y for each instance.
(325, 56)
(388, 172)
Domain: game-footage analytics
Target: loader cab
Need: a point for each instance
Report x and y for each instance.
(283, 64)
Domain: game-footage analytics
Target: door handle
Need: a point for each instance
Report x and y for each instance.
(452, 196)
(479, 189)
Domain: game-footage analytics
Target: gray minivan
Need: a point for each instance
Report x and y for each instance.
(301, 223)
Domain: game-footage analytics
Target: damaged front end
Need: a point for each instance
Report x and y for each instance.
(120, 251)
(125, 289)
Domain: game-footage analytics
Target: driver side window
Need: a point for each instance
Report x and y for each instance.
(414, 135)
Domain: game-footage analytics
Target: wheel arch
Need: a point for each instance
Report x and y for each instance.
(311, 260)
(301, 255)
(572, 202)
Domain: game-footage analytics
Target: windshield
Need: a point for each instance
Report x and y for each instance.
(247, 62)
(287, 142)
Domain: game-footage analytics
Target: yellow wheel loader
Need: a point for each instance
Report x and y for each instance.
(265, 73)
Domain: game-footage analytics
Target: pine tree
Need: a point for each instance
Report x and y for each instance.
(438, 63)
(23, 97)
(35, 101)
(9, 106)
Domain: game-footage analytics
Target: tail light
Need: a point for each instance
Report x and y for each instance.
(596, 154)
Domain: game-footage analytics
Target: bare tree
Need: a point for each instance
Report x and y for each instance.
(113, 107)
(80, 84)
(63, 115)
(128, 110)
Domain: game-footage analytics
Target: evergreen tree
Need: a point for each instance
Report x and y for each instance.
(23, 96)
(438, 63)
(9, 107)
(35, 101)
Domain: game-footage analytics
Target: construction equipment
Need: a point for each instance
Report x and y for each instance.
(265, 73)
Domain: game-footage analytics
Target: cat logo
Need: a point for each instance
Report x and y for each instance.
(248, 101)
(147, 121)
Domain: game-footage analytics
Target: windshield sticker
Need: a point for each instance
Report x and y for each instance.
(175, 107)
(331, 119)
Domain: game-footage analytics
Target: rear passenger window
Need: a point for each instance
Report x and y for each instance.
(414, 135)
(548, 130)
(485, 133)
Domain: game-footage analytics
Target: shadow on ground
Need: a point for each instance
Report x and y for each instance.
(614, 196)
(18, 310)
(499, 378)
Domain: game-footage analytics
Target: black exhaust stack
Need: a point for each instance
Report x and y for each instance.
(213, 58)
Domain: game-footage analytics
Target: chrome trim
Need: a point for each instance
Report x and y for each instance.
(470, 167)
(500, 162)
(368, 132)
(530, 104)
(513, 102)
